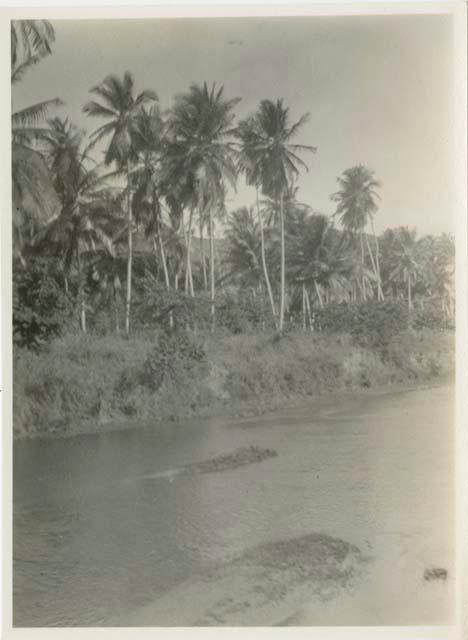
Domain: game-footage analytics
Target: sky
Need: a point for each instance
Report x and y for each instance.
(379, 91)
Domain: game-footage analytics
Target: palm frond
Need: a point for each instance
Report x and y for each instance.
(35, 113)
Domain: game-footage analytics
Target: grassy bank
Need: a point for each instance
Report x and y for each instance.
(88, 383)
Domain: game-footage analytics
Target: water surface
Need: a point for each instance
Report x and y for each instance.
(104, 525)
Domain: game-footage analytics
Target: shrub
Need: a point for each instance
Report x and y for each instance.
(375, 321)
(174, 354)
(238, 312)
(41, 309)
(430, 315)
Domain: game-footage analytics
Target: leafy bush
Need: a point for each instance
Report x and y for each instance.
(240, 313)
(173, 354)
(154, 306)
(430, 315)
(373, 320)
(235, 312)
(41, 309)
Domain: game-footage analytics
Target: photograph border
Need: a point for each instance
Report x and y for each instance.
(240, 9)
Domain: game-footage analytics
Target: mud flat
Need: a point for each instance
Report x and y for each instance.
(264, 586)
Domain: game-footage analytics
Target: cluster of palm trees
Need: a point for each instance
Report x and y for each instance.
(329, 265)
(162, 172)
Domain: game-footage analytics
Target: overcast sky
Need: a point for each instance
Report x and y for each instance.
(378, 90)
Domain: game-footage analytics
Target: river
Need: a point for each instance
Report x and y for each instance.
(106, 532)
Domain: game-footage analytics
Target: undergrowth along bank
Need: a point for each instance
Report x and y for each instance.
(85, 383)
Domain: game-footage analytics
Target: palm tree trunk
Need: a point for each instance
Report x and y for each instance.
(309, 312)
(262, 303)
(374, 268)
(264, 264)
(212, 270)
(304, 323)
(117, 323)
(202, 253)
(377, 256)
(162, 253)
(186, 276)
(362, 292)
(81, 296)
(363, 288)
(165, 270)
(188, 268)
(319, 295)
(192, 292)
(283, 260)
(130, 256)
(83, 316)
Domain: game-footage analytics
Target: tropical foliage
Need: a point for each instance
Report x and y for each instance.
(34, 199)
(97, 215)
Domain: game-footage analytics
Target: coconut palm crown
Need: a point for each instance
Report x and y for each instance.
(356, 198)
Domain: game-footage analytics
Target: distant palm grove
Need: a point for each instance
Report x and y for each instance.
(128, 228)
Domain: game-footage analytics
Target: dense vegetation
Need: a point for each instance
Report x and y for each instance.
(139, 250)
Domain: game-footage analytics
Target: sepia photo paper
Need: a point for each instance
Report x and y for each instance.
(234, 321)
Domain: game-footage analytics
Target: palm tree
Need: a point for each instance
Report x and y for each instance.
(72, 238)
(275, 164)
(34, 199)
(356, 206)
(436, 258)
(247, 164)
(319, 258)
(202, 155)
(30, 42)
(146, 180)
(244, 253)
(119, 106)
(444, 269)
(406, 268)
(85, 223)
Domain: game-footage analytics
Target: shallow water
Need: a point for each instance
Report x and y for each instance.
(105, 525)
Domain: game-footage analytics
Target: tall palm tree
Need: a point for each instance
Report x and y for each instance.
(146, 179)
(118, 106)
(248, 165)
(34, 199)
(275, 163)
(179, 190)
(200, 124)
(356, 206)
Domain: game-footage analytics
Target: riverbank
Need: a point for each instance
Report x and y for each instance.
(90, 384)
